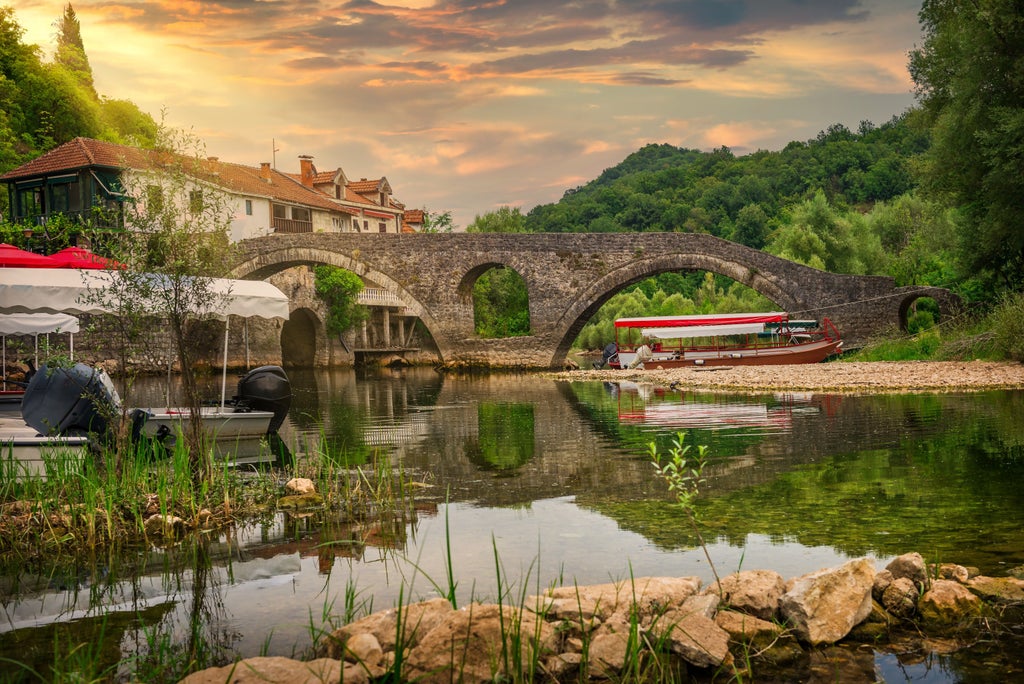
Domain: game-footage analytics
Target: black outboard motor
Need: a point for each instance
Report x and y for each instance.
(69, 401)
(266, 389)
(609, 352)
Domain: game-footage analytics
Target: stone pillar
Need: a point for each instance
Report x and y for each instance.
(387, 326)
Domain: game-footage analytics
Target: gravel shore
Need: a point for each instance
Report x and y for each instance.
(878, 377)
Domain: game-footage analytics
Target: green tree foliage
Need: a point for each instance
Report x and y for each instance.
(969, 74)
(70, 53)
(438, 221)
(43, 105)
(339, 290)
(504, 220)
(665, 188)
(501, 306)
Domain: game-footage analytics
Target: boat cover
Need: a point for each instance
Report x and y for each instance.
(703, 319)
(702, 331)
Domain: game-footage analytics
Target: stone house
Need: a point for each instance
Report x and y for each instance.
(83, 174)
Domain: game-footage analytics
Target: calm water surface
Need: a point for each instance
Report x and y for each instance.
(546, 482)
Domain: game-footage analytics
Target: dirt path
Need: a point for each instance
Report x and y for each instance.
(855, 377)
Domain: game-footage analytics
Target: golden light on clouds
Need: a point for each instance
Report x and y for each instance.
(511, 98)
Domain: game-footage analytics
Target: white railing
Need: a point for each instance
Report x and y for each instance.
(375, 296)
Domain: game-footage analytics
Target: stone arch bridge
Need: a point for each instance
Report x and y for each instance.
(568, 277)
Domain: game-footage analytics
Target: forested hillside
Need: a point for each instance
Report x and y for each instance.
(665, 188)
(46, 103)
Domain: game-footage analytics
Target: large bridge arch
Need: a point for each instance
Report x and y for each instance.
(273, 261)
(568, 276)
(606, 287)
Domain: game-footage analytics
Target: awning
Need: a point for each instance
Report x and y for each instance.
(67, 290)
(37, 323)
(702, 331)
(702, 319)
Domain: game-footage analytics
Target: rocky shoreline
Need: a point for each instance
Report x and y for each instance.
(751, 624)
(857, 377)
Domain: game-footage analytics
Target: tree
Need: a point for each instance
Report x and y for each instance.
(438, 221)
(70, 52)
(175, 244)
(969, 77)
(339, 289)
(504, 220)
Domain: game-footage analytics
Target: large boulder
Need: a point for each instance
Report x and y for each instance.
(480, 643)
(910, 566)
(648, 595)
(416, 620)
(754, 592)
(277, 669)
(900, 597)
(948, 603)
(694, 637)
(823, 606)
(997, 589)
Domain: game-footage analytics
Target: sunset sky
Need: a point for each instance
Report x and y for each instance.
(468, 105)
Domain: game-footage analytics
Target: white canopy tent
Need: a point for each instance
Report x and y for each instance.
(36, 324)
(72, 291)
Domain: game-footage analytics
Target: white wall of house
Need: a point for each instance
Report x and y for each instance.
(323, 223)
(245, 225)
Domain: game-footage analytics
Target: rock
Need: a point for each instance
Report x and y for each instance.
(900, 597)
(471, 645)
(909, 565)
(693, 637)
(299, 486)
(997, 589)
(417, 619)
(948, 603)
(754, 592)
(883, 579)
(364, 649)
(651, 595)
(277, 669)
(562, 666)
(606, 655)
(167, 526)
(950, 571)
(748, 629)
(702, 604)
(823, 606)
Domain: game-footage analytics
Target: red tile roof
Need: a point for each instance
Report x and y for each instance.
(246, 180)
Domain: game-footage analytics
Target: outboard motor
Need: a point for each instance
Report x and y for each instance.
(69, 401)
(266, 388)
(609, 352)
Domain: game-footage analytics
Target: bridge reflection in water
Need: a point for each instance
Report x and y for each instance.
(554, 478)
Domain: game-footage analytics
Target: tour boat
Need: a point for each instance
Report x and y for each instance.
(748, 339)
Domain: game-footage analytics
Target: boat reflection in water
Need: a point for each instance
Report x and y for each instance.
(643, 403)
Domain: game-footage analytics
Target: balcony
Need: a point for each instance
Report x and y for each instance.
(375, 296)
(283, 225)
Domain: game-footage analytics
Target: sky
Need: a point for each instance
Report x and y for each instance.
(470, 105)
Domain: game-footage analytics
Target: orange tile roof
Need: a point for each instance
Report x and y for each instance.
(85, 152)
(364, 186)
(414, 215)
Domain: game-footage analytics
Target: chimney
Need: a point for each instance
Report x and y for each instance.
(307, 170)
(265, 171)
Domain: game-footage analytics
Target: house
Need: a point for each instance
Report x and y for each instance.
(84, 174)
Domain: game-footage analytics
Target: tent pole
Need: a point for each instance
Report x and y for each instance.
(224, 372)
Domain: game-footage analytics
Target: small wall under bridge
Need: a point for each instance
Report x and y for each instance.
(568, 277)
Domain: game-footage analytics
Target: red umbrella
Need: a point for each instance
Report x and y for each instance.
(12, 256)
(79, 257)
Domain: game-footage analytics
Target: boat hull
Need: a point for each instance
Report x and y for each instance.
(810, 352)
(220, 423)
(26, 452)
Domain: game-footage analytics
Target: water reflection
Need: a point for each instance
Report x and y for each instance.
(553, 478)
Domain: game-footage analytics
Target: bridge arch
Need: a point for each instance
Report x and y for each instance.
(592, 298)
(270, 262)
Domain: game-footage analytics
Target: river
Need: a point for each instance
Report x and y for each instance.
(524, 481)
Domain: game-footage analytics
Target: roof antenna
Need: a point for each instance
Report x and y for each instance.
(274, 150)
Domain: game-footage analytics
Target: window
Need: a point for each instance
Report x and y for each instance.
(29, 202)
(301, 214)
(195, 201)
(248, 207)
(64, 197)
(383, 227)
(366, 225)
(280, 211)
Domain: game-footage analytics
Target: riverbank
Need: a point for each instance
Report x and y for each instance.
(857, 377)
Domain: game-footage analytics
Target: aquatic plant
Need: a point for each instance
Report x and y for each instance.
(684, 475)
